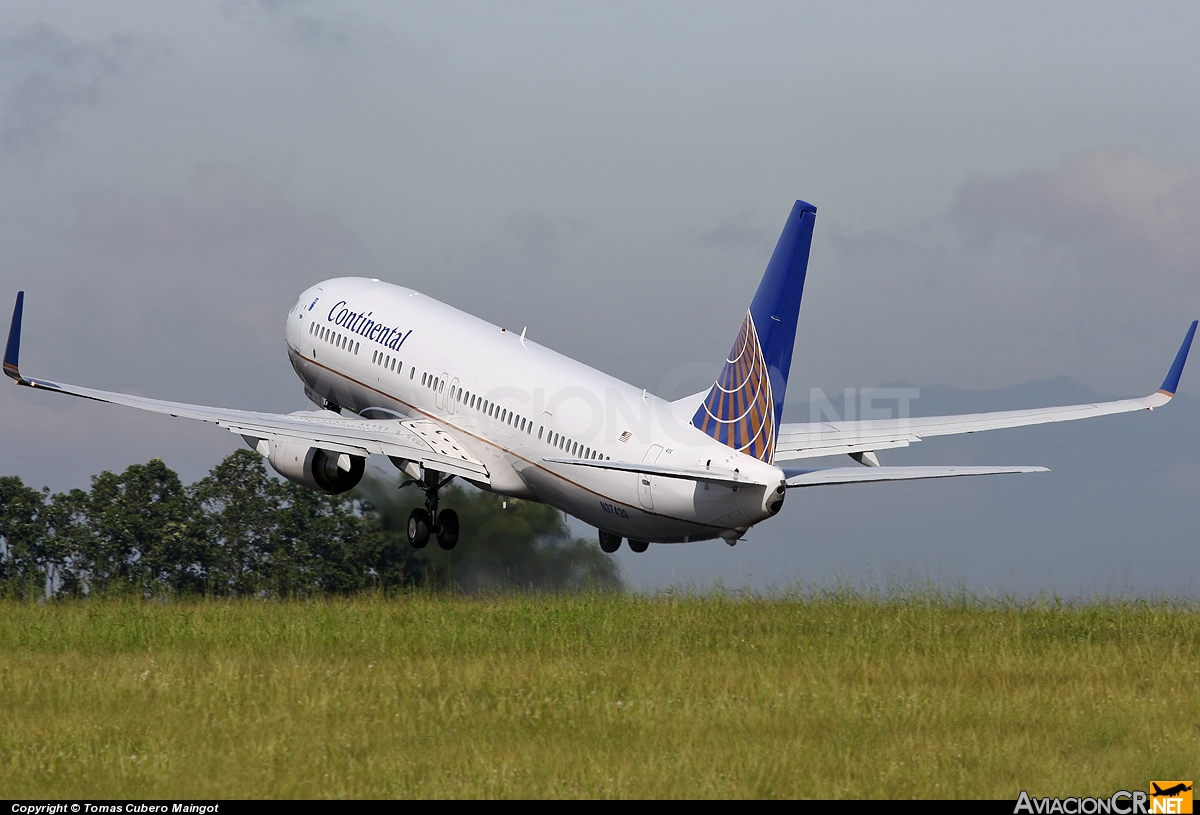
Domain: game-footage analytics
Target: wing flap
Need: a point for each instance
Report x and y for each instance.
(866, 475)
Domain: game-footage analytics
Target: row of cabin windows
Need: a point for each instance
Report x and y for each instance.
(388, 361)
(476, 402)
(467, 398)
(573, 448)
(332, 337)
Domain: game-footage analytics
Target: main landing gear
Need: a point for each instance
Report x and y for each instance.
(610, 543)
(421, 521)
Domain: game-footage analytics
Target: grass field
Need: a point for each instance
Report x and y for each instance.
(595, 696)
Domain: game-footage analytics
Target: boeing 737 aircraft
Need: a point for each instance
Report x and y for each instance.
(443, 394)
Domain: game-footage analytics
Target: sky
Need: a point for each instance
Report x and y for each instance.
(1008, 194)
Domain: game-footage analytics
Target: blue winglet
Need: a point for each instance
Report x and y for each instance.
(13, 350)
(1171, 383)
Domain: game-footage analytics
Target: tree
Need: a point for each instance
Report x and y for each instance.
(143, 521)
(241, 532)
(22, 539)
(264, 535)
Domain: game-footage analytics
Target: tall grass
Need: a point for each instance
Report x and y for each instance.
(596, 695)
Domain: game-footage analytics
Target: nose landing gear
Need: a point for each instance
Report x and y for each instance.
(421, 522)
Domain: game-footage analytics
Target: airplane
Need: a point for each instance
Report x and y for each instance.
(1170, 792)
(444, 394)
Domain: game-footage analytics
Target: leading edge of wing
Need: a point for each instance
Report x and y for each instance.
(866, 475)
(323, 429)
(830, 438)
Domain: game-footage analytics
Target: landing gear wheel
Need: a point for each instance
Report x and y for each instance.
(638, 546)
(418, 528)
(447, 528)
(609, 542)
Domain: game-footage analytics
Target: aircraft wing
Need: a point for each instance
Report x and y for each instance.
(797, 441)
(422, 441)
(865, 475)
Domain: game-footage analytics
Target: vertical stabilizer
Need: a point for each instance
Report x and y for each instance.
(743, 408)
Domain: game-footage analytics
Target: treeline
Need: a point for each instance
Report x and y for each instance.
(241, 532)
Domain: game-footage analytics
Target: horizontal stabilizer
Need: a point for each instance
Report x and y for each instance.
(698, 474)
(863, 475)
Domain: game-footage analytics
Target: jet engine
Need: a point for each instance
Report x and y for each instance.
(317, 469)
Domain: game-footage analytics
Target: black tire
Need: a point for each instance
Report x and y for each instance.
(609, 542)
(638, 546)
(447, 529)
(418, 528)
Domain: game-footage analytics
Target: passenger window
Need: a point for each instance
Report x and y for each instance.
(423, 379)
(540, 429)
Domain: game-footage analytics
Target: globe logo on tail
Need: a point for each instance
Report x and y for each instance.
(739, 411)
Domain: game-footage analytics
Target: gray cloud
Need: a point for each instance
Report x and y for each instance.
(193, 285)
(51, 73)
(1036, 273)
(734, 233)
(313, 26)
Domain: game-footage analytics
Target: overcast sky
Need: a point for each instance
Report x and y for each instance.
(1006, 193)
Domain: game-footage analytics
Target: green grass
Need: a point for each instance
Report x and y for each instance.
(624, 696)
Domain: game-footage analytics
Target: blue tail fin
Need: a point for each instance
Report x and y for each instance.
(744, 407)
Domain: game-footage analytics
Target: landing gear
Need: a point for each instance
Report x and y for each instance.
(609, 542)
(638, 546)
(447, 528)
(418, 528)
(421, 521)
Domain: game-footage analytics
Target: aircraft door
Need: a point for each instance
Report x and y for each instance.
(646, 482)
(451, 396)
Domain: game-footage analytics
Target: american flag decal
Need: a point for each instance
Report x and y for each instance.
(739, 411)
(626, 436)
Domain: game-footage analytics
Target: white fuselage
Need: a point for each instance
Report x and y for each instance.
(384, 351)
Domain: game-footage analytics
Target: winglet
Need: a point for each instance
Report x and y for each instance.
(1169, 385)
(13, 350)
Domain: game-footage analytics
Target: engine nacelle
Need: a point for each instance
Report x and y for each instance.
(315, 468)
